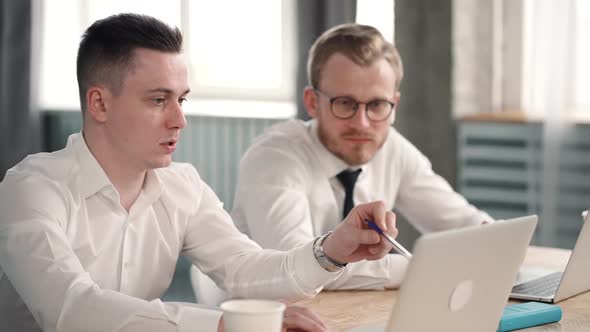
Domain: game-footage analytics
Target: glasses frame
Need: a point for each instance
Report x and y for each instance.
(355, 107)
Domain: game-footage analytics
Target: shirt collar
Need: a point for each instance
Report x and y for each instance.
(152, 188)
(93, 179)
(331, 164)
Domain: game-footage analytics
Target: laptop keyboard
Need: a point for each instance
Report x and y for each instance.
(543, 286)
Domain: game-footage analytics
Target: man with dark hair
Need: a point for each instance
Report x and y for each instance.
(299, 179)
(90, 235)
(105, 54)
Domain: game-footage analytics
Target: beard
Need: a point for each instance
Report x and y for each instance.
(353, 154)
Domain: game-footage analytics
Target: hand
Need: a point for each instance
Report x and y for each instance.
(296, 318)
(352, 241)
(299, 318)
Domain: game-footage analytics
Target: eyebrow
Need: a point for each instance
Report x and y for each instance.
(368, 101)
(167, 91)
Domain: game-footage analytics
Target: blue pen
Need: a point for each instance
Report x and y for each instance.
(398, 247)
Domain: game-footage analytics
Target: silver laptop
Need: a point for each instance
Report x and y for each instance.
(459, 280)
(555, 286)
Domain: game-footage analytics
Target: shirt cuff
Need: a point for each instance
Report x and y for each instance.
(398, 265)
(193, 319)
(309, 273)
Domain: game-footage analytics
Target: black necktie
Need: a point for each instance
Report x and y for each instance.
(348, 179)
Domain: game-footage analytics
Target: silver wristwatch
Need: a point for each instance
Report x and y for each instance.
(326, 262)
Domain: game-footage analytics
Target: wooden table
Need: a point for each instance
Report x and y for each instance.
(343, 310)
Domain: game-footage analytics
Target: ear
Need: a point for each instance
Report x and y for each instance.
(96, 101)
(311, 101)
(396, 100)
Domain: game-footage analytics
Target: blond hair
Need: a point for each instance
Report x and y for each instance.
(362, 44)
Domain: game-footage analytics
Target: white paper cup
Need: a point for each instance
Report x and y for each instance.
(252, 315)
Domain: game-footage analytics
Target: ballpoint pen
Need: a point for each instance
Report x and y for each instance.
(398, 247)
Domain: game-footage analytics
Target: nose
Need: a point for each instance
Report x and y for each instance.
(176, 118)
(360, 118)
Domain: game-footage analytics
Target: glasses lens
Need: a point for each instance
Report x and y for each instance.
(379, 109)
(343, 107)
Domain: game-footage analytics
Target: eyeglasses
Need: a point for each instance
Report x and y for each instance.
(346, 107)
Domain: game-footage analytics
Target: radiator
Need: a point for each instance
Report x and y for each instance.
(215, 145)
(501, 170)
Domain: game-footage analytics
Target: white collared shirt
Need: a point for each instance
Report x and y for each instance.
(80, 262)
(288, 193)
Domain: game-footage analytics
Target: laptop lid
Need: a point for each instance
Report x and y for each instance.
(575, 278)
(459, 280)
(573, 281)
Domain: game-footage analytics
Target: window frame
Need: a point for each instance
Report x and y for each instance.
(282, 97)
(285, 93)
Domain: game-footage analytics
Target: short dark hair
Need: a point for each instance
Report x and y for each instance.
(106, 51)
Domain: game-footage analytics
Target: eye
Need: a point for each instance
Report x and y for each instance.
(379, 105)
(181, 100)
(345, 102)
(158, 101)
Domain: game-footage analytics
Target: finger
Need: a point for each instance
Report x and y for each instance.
(305, 312)
(302, 321)
(360, 213)
(379, 212)
(382, 245)
(367, 236)
(220, 327)
(390, 219)
(368, 211)
(379, 250)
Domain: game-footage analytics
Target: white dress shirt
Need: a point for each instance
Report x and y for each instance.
(79, 262)
(288, 193)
